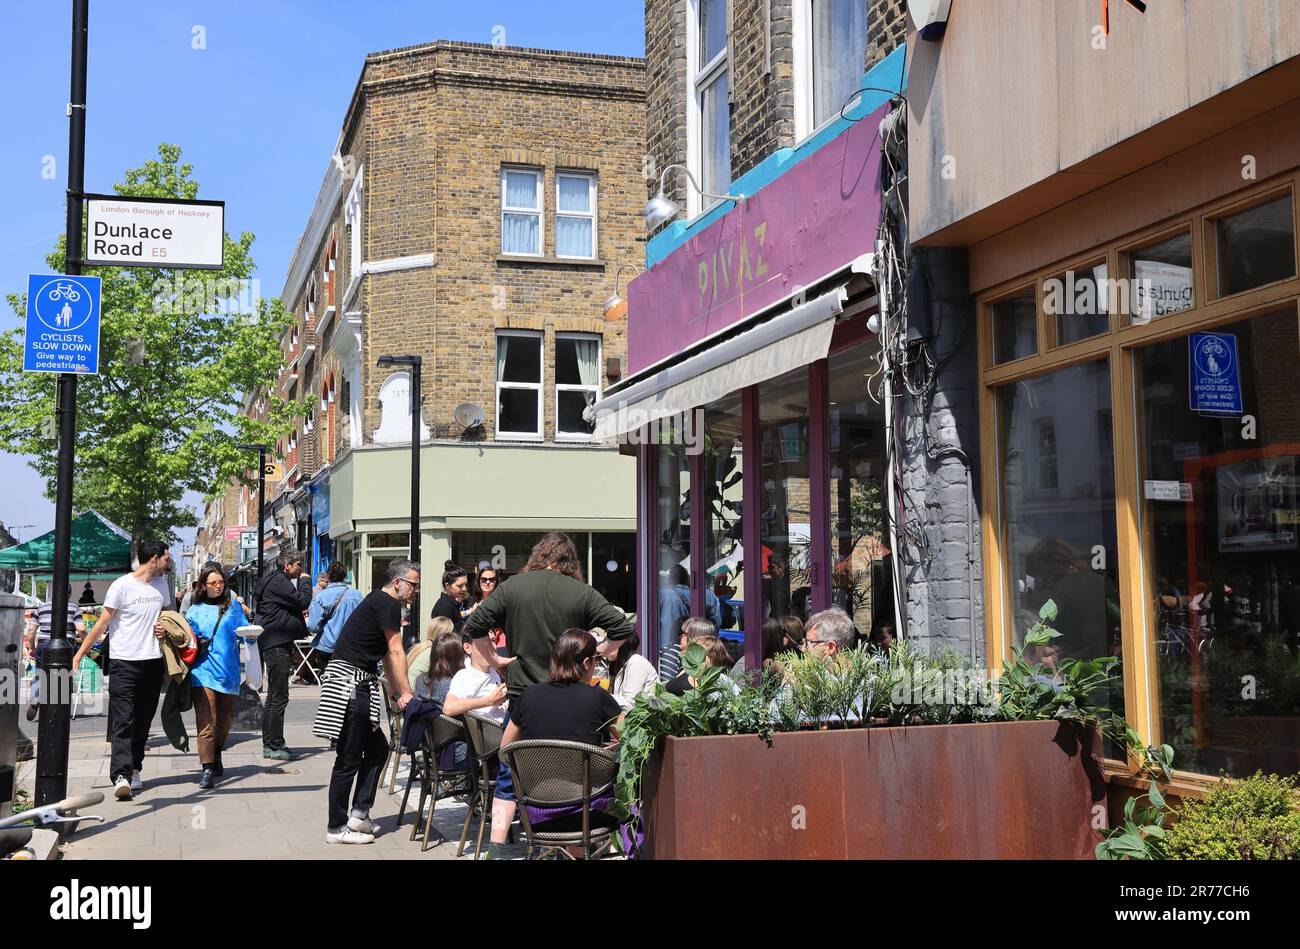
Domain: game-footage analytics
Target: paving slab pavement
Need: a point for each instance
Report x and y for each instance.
(261, 808)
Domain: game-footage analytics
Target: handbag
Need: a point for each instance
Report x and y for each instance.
(194, 655)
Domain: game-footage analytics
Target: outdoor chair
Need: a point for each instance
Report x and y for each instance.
(394, 758)
(436, 784)
(484, 744)
(560, 776)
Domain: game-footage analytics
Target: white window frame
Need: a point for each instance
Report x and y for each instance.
(590, 178)
(804, 66)
(572, 387)
(699, 76)
(500, 433)
(352, 218)
(539, 211)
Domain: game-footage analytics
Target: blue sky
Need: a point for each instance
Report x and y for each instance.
(256, 111)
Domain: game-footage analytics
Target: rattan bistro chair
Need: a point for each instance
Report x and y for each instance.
(484, 744)
(552, 775)
(435, 784)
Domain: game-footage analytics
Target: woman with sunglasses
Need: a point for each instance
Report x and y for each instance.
(214, 616)
(485, 584)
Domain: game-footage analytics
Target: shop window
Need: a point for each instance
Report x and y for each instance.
(673, 545)
(784, 502)
(521, 211)
(575, 215)
(1255, 246)
(711, 155)
(1015, 327)
(1160, 276)
(1219, 443)
(519, 384)
(375, 541)
(613, 568)
(861, 569)
(1060, 544)
(1077, 302)
(577, 384)
(724, 510)
(506, 551)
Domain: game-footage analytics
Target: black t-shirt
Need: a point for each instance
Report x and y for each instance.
(678, 684)
(565, 711)
(448, 607)
(362, 641)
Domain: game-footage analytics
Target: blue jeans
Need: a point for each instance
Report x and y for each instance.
(505, 789)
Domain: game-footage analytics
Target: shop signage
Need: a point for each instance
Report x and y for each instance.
(808, 224)
(155, 232)
(233, 533)
(1166, 491)
(248, 540)
(62, 324)
(1215, 383)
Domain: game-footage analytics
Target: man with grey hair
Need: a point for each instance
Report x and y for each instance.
(349, 709)
(283, 598)
(829, 633)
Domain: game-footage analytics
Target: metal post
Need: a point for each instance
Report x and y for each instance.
(416, 400)
(261, 518)
(56, 711)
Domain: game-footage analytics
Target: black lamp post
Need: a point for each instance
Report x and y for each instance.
(261, 502)
(414, 362)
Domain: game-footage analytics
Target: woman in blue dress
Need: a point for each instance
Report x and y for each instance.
(214, 616)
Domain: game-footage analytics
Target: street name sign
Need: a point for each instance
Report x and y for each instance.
(155, 232)
(62, 324)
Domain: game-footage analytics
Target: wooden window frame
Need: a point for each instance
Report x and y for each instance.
(1118, 345)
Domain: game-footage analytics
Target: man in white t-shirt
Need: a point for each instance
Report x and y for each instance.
(131, 610)
(476, 687)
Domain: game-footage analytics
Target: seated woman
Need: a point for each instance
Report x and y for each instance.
(476, 687)
(420, 655)
(715, 654)
(565, 708)
(630, 673)
(446, 657)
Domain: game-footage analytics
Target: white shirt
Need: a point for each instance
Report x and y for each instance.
(469, 683)
(136, 607)
(633, 679)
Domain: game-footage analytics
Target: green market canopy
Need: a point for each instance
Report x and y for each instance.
(98, 546)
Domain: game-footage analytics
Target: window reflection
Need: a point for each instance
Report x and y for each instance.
(785, 503)
(1220, 516)
(724, 557)
(673, 542)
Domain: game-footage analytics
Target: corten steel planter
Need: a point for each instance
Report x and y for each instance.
(1006, 790)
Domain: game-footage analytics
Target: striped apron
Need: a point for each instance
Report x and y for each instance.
(337, 687)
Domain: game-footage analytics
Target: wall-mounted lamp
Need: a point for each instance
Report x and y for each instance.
(615, 305)
(661, 208)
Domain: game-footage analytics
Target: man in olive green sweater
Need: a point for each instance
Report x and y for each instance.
(535, 608)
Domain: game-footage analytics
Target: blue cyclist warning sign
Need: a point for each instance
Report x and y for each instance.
(1215, 375)
(62, 324)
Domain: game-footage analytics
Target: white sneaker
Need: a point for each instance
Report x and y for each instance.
(122, 789)
(362, 825)
(136, 783)
(347, 836)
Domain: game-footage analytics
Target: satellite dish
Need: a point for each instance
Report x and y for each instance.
(468, 415)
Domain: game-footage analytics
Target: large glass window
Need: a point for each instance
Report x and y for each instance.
(1256, 246)
(861, 570)
(1077, 302)
(724, 510)
(673, 545)
(521, 211)
(519, 384)
(504, 550)
(1219, 443)
(711, 92)
(577, 383)
(784, 501)
(839, 53)
(575, 215)
(613, 568)
(1015, 327)
(1058, 513)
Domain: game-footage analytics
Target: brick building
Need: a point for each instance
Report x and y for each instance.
(477, 207)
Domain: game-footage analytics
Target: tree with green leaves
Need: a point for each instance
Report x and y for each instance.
(179, 349)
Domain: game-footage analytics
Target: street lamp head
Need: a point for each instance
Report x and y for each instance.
(244, 447)
(614, 308)
(658, 209)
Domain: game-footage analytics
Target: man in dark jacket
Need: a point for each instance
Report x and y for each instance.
(282, 600)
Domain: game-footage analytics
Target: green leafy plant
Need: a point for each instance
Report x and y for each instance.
(1142, 837)
(1253, 819)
